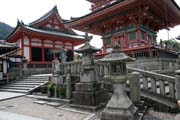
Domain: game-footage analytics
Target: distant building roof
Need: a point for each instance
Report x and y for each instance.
(50, 24)
(5, 44)
(45, 16)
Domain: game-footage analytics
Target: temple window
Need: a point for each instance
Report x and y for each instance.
(149, 37)
(154, 53)
(132, 35)
(108, 41)
(142, 35)
(57, 55)
(0, 67)
(37, 54)
(48, 55)
(69, 55)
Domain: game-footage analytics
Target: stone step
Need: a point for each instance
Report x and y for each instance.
(12, 85)
(14, 90)
(27, 81)
(36, 79)
(17, 88)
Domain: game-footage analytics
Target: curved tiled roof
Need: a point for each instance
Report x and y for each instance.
(49, 32)
(45, 16)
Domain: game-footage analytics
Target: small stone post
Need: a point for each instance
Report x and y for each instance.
(55, 91)
(135, 87)
(177, 86)
(68, 84)
(178, 61)
(24, 68)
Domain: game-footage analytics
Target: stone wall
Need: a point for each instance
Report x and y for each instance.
(14, 73)
(18, 73)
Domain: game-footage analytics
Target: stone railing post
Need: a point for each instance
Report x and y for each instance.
(55, 67)
(135, 87)
(68, 84)
(177, 85)
(178, 61)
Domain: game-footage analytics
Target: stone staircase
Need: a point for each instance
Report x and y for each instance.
(26, 85)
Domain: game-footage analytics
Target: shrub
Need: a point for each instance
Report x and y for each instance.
(62, 91)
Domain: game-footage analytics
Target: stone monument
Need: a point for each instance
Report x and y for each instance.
(87, 92)
(57, 66)
(120, 107)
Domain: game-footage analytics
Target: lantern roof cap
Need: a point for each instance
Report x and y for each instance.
(117, 56)
(87, 48)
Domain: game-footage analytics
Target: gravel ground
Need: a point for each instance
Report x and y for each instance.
(25, 106)
(154, 115)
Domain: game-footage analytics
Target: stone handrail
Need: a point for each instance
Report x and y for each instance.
(152, 74)
(74, 66)
(155, 83)
(151, 82)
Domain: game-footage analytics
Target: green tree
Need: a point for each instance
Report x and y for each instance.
(5, 30)
(173, 43)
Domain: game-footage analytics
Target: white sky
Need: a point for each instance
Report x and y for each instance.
(30, 10)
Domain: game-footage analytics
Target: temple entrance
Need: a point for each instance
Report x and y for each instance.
(69, 55)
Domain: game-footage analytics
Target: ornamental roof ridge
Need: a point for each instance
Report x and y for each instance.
(45, 16)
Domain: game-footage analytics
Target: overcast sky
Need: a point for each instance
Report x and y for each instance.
(30, 10)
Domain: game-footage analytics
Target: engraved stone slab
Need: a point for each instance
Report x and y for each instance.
(40, 102)
(54, 104)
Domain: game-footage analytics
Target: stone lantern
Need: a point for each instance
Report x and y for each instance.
(88, 72)
(120, 107)
(88, 93)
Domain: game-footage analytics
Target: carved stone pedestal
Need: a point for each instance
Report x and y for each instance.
(88, 96)
(120, 106)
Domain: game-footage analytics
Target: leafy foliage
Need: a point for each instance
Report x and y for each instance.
(173, 43)
(5, 30)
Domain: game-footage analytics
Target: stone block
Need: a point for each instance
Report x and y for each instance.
(40, 102)
(54, 104)
(88, 76)
(58, 80)
(88, 98)
(114, 114)
(87, 86)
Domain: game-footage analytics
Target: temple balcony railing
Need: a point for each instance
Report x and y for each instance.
(151, 83)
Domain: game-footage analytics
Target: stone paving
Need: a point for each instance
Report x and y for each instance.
(26, 106)
(8, 95)
(13, 116)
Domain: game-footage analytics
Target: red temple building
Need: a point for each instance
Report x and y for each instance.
(40, 38)
(132, 23)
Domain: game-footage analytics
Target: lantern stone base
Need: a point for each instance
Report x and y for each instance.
(87, 86)
(88, 96)
(117, 114)
(120, 106)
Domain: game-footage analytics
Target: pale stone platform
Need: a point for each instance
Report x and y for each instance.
(14, 116)
(9, 95)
